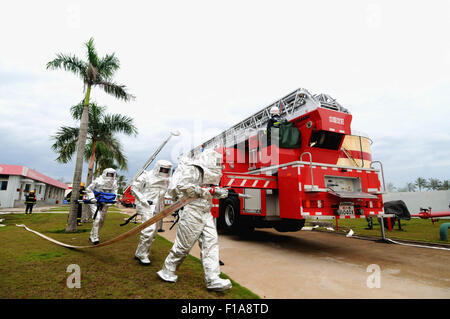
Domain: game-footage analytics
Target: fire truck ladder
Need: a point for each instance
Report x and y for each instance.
(291, 106)
(346, 153)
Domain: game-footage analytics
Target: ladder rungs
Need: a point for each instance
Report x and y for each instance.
(292, 105)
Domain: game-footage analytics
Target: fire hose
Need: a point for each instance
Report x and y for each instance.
(134, 215)
(165, 212)
(414, 245)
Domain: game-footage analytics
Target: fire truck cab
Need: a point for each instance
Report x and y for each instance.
(326, 173)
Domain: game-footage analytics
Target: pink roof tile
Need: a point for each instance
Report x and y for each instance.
(30, 173)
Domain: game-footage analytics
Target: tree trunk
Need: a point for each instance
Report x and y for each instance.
(86, 212)
(91, 164)
(72, 219)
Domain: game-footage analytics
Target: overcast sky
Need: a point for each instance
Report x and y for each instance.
(202, 66)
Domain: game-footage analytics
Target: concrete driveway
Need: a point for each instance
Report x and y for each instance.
(311, 264)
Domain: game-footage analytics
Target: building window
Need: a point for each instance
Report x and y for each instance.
(40, 189)
(3, 185)
(27, 188)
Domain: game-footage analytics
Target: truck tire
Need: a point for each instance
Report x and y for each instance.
(290, 226)
(230, 218)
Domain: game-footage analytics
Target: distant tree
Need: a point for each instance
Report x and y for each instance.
(390, 187)
(420, 183)
(107, 160)
(445, 185)
(410, 187)
(122, 183)
(434, 184)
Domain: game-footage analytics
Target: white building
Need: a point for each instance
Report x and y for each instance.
(439, 201)
(16, 181)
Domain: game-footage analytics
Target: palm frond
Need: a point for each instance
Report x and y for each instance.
(88, 150)
(95, 111)
(111, 151)
(119, 91)
(65, 143)
(118, 155)
(65, 135)
(92, 53)
(120, 124)
(68, 63)
(104, 157)
(66, 152)
(107, 66)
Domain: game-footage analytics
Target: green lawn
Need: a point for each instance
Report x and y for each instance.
(32, 267)
(66, 208)
(414, 229)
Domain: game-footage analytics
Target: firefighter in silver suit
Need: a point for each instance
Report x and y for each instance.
(197, 178)
(149, 190)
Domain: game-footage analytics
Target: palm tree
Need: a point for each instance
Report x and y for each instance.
(434, 184)
(421, 183)
(107, 159)
(101, 140)
(95, 71)
(390, 187)
(410, 187)
(445, 185)
(122, 183)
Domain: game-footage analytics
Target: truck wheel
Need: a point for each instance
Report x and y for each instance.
(231, 219)
(290, 226)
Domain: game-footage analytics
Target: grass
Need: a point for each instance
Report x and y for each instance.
(414, 229)
(32, 267)
(66, 208)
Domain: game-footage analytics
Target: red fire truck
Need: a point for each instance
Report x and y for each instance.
(328, 175)
(127, 199)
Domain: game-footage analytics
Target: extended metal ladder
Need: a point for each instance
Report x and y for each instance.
(292, 105)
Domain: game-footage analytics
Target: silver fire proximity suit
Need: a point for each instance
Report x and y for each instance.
(196, 221)
(104, 183)
(149, 190)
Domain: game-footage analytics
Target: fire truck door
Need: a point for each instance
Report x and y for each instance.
(289, 194)
(253, 203)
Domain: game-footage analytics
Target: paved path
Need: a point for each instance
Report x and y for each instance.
(310, 264)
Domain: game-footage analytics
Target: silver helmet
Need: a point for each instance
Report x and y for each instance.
(162, 168)
(210, 162)
(109, 177)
